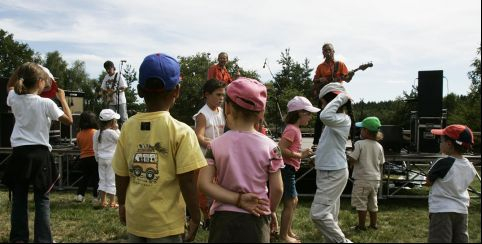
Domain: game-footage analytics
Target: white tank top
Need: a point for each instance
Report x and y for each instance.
(214, 122)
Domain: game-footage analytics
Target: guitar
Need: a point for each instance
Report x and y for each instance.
(319, 84)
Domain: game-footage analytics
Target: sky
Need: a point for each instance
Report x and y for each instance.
(399, 37)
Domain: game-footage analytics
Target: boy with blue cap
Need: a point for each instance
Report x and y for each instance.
(156, 161)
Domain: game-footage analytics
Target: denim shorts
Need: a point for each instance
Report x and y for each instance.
(289, 182)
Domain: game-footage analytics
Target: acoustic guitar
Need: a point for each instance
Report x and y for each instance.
(111, 87)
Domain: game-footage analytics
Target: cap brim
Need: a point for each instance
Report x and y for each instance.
(312, 109)
(359, 124)
(438, 132)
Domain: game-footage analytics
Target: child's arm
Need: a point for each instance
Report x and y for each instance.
(188, 185)
(201, 129)
(66, 118)
(247, 201)
(275, 190)
(329, 114)
(121, 184)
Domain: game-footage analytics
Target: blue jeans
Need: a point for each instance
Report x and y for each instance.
(19, 217)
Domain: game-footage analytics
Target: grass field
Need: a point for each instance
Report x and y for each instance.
(400, 220)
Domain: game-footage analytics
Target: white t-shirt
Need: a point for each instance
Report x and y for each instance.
(33, 115)
(369, 154)
(122, 84)
(214, 122)
(106, 148)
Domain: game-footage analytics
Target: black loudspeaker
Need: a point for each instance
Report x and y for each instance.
(3, 95)
(430, 84)
(427, 142)
(392, 138)
(68, 133)
(7, 121)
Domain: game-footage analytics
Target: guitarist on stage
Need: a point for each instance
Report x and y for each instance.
(328, 71)
(113, 87)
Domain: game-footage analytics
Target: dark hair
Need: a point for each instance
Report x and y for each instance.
(248, 114)
(458, 148)
(26, 76)
(88, 120)
(212, 85)
(108, 64)
(292, 117)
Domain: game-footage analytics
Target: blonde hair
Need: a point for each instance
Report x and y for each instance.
(26, 77)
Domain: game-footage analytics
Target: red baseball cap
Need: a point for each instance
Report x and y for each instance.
(248, 93)
(460, 133)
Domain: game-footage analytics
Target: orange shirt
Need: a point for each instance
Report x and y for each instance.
(86, 143)
(325, 69)
(218, 73)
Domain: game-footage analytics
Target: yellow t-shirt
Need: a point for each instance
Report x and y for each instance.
(153, 148)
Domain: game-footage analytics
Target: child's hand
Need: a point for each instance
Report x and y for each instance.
(253, 204)
(306, 153)
(60, 94)
(191, 231)
(122, 214)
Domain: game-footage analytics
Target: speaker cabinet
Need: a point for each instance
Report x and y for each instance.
(430, 93)
(392, 138)
(75, 101)
(427, 142)
(7, 121)
(3, 95)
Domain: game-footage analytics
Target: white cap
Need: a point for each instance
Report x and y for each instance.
(301, 103)
(108, 114)
(334, 87)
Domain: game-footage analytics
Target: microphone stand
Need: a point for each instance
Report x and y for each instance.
(117, 89)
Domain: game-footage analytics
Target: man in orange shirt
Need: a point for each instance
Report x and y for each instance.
(328, 71)
(219, 71)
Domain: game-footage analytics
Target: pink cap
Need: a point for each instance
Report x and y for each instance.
(301, 103)
(248, 93)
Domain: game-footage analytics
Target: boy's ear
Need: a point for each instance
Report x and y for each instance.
(140, 91)
(177, 91)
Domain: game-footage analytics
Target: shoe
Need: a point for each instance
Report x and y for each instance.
(358, 228)
(375, 227)
(79, 198)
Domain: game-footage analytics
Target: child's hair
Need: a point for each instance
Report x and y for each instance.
(108, 64)
(375, 135)
(88, 120)
(249, 115)
(458, 148)
(103, 126)
(292, 117)
(212, 85)
(26, 76)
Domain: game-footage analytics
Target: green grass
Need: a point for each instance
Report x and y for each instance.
(400, 220)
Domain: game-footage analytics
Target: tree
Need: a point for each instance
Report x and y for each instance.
(130, 75)
(474, 76)
(293, 80)
(58, 67)
(13, 54)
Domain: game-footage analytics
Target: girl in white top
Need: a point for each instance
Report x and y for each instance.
(31, 160)
(210, 120)
(210, 124)
(105, 141)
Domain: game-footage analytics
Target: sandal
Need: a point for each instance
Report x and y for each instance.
(114, 205)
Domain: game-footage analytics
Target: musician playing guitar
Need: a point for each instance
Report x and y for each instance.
(329, 71)
(113, 87)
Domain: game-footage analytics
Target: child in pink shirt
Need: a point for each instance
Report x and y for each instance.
(299, 114)
(243, 161)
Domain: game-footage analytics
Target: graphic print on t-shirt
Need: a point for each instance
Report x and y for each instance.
(145, 167)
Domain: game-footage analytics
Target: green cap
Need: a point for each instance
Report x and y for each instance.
(370, 123)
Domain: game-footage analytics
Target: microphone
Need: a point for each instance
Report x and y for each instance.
(264, 65)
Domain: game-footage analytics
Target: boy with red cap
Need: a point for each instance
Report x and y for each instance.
(156, 161)
(449, 177)
(243, 161)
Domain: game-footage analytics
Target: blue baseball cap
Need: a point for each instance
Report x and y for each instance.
(162, 67)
